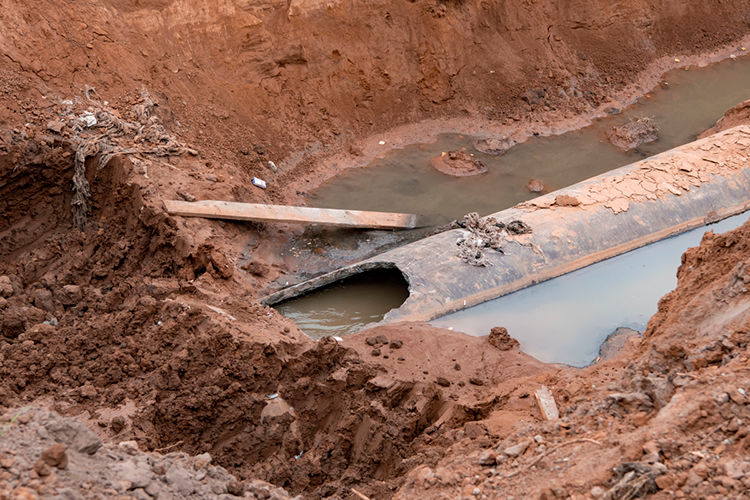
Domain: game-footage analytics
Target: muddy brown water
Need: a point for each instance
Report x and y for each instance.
(686, 103)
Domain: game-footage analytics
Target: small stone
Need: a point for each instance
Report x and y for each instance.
(55, 126)
(396, 344)
(538, 439)
(129, 447)
(55, 456)
(457, 367)
(516, 450)
(202, 461)
(371, 341)
(375, 352)
(381, 339)
(488, 457)
(476, 381)
(443, 382)
(6, 288)
(565, 200)
(187, 196)
(236, 488)
(597, 492)
(535, 186)
(88, 390)
(41, 468)
(117, 424)
(180, 480)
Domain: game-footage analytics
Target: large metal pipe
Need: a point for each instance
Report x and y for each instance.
(661, 196)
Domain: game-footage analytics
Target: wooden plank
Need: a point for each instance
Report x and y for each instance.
(280, 213)
(547, 404)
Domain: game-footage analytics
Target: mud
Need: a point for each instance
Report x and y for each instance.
(146, 326)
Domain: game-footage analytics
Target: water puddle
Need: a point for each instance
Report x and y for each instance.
(687, 103)
(565, 320)
(348, 305)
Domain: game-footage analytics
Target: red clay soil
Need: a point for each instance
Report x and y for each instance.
(147, 326)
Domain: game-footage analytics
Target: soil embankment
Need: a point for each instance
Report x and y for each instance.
(146, 325)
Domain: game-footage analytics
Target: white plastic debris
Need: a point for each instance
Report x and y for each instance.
(382, 143)
(88, 118)
(259, 182)
(273, 166)
(297, 457)
(273, 396)
(339, 339)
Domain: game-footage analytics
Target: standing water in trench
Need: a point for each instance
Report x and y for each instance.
(684, 105)
(566, 319)
(687, 103)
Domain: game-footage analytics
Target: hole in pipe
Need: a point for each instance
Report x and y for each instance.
(348, 305)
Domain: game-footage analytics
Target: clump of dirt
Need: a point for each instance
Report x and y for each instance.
(500, 338)
(494, 145)
(634, 133)
(458, 164)
(536, 186)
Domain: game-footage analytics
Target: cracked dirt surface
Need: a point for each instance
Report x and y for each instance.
(663, 175)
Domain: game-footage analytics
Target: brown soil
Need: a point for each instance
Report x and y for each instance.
(147, 326)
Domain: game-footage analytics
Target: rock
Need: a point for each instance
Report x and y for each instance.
(457, 367)
(494, 146)
(665, 482)
(375, 352)
(202, 461)
(14, 322)
(488, 457)
(597, 492)
(535, 186)
(88, 390)
(500, 339)
(73, 434)
(236, 488)
(138, 473)
(129, 447)
(180, 480)
(55, 456)
(39, 332)
(41, 468)
(6, 288)
(222, 265)
(117, 424)
(371, 341)
(43, 300)
(518, 227)
(55, 126)
(69, 295)
(396, 344)
(381, 339)
(443, 382)
(516, 450)
(458, 164)
(633, 134)
(476, 381)
(187, 196)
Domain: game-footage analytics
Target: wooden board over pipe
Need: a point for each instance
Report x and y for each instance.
(212, 209)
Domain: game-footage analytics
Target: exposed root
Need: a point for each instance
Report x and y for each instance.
(144, 136)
